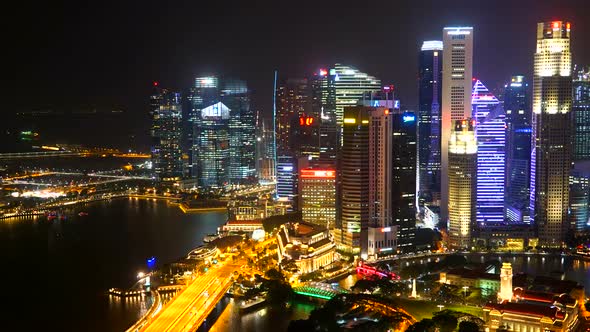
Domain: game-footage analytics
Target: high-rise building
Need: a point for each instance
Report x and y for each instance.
(323, 114)
(462, 183)
(293, 103)
(551, 122)
(351, 85)
(354, 178)
(581, 111)
(242, 131)
(403, 185)
(223, 135)
(265, 154)
(166, 133)
(490, 130)
(429, 96)
(318, 196)
(518, 147)
(380, 182)
(456, 95)
(287, 183)
(579, 200)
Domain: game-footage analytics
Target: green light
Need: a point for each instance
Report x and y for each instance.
(314, 295)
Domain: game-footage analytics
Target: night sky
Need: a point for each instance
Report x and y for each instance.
(106, 54)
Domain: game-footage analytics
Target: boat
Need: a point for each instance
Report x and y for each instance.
(82, 214)
(251, 304)
(210, 238)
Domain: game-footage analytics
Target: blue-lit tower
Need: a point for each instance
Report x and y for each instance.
(429, 95)
(490, 130)
(518, 149)
(581, 111)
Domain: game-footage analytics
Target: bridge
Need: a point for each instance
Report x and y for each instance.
(189, 309)
(318, 290)
(67, 153)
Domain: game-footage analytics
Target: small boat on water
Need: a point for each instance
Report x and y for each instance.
(211, 238)
(82, 214)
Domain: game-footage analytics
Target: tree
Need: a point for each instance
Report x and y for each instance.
(274, 274)
(425, 325)
(467, 326)
(446, 321)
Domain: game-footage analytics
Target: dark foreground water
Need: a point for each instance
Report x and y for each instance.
(55, 274)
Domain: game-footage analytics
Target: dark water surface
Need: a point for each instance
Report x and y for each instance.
(55, 274)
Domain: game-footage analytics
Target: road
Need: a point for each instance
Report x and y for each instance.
(190, 308)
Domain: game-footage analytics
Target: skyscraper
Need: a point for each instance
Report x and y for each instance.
(551, 122)
(242, 131)
(166, 133)
(462, 183)
(354, 178)
(323, 111)
(380, 181)
(518, 146)
(223, 132)
(456, 95)
(581, 110)
(318, 196)
(490, 130)
(265, 155)
(351, 85)
(403, 186)
(293, 102)
(579, 200)
(287, 183)
(429, 95)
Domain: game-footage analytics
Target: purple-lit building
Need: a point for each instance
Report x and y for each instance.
(491, 150)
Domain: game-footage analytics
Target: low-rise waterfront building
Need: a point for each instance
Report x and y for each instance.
(309, 246)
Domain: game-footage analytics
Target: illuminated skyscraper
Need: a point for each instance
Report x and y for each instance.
(166, 132)
(403, 186)
(354, 175)
(323, 111)
(456, 95)
(351, 85)
(429, 95)
(579, 200)
(287, 183)
(581, 110)
(293, 102)
(223, 132)
(462, 183)
(490, 130)
(518, 147)
(551, 122)
(318, 196)
(265, 155)
(380, 182)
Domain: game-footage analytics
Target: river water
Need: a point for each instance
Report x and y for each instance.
(55, 274)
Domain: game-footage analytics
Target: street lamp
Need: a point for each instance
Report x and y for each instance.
(465, 288)
(440, 306)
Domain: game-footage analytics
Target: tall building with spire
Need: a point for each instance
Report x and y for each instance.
(490, 130)
(456, 95)
(429, 95)
(552, 132)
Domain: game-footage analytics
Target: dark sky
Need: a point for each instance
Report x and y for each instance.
(107, 53)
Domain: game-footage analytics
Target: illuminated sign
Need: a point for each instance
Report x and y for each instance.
(396, 103)
(350, 120)
(323, 72)
(385, 229)
(306, 121)
(432, 45)
(365, 121)
(287, 168)
(218, 110)
(409, 117)
(316, 173)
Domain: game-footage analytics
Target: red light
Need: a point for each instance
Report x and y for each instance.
(316, 173)
(323, 72)
(301, 121)
(568, 26)
(155, 83)
(386, 111)
(306, 121)
(555, 25)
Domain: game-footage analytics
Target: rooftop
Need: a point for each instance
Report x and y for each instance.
(537, 310)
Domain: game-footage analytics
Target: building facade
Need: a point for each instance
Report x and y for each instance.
(351, 85)
(462, 183)
(403, 185)
(287, 180)
(318, 196)
(490, 130)
(354, 178)
(429, 96)
(581, 111)
(293, 102)
(518, 148)
(456, 95)
(551, 122)
(166, 134)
